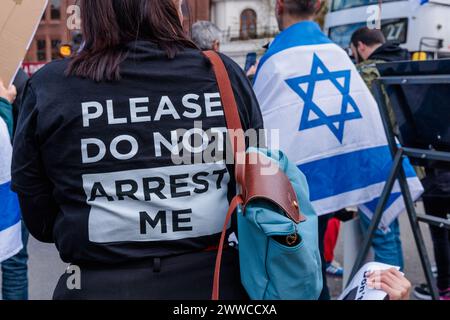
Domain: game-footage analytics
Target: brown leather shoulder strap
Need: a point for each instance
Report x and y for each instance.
(238, 144)
(226, 91)
(275, 188)
(231, 113)
(237, 201)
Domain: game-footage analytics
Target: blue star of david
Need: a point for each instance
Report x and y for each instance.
(336, 123)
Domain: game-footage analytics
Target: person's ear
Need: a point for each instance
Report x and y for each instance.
(318, 6)
(279, 8)
(361, 47)
(216, 46)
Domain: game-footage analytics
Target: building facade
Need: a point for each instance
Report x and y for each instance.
(244, 19)
(52, 32)
(247, 26)
(195, 10)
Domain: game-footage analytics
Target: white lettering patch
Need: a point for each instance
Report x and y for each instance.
(160, 204)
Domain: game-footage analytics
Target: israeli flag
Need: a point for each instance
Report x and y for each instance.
(421, 2)
(417, 3)
(10, 225)
(328, 121)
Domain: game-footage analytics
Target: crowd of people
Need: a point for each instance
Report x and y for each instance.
(85, 200)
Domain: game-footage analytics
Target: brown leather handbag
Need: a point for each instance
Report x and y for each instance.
(275, 188)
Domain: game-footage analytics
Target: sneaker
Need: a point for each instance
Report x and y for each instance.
(422, 292)
(334, 269)
(445, 294)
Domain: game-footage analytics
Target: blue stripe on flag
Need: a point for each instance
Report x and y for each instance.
(9, 207)
(372, 205)
(373, 165)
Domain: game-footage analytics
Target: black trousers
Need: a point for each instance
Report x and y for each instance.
(184, 277)
(440, 207)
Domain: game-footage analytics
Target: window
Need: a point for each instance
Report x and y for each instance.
(55, 10)
(41, 50)
(341, 35)
(346, 4)
(55, 49)
(248, 24)
(186, 10)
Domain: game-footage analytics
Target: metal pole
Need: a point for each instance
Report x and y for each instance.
(415, 227)
(405, 189)
(378, 94)
(434, 221)
(427, 154)
(382, 106)
(378, 214)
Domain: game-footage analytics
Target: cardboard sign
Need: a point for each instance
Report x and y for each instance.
(19, 20)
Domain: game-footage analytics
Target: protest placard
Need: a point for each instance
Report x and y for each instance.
(19, 20)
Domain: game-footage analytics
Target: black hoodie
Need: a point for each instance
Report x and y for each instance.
(133, 200)
(390, 51)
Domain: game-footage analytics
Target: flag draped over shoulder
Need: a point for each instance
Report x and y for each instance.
(329, 123)
(416, 3)
(10, 227)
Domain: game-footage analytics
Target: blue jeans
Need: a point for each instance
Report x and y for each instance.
(386, 245)
(15, 273)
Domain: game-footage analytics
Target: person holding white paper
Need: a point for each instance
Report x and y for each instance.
(377, 281)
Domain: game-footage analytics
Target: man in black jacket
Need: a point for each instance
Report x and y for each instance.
(369, 48)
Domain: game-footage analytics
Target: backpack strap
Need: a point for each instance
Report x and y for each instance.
(238, 144)
(226, 91)
(275, 188)
(231, 113)
(237, 201)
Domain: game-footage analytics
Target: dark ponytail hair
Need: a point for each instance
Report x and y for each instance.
(108, 25)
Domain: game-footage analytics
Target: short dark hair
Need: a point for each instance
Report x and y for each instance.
(368, 36)
(301, 8)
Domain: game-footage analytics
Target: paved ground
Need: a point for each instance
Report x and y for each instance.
(46, 267)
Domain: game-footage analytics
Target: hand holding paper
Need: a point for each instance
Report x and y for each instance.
(391, 281)
(377, 281)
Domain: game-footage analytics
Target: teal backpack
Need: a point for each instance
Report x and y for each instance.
(271, 270)
(277, 225)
